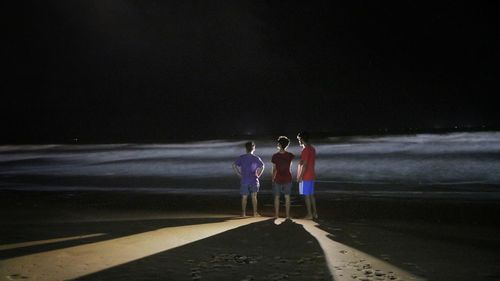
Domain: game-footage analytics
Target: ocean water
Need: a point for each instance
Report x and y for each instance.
(455, 159)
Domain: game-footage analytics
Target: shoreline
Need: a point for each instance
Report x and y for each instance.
(339, 206)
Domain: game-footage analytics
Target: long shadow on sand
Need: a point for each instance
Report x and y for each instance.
(258, 251)
(431, 250)
(15, 233)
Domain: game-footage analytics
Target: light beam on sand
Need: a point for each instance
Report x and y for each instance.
(74, 262)
(345, 262)
(48, 241)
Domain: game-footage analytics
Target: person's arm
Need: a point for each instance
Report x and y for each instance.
(259, 171)
(302, 170)
(237, 170)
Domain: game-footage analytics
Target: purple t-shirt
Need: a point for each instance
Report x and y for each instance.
(249, 164)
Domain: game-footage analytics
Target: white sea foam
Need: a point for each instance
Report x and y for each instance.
(417, 159)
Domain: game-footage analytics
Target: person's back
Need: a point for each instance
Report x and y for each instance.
(249, 164)
(308, 156)
(283, 160)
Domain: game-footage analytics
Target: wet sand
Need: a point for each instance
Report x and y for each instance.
(140, 236)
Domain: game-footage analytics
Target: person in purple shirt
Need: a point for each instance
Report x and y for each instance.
(249, 168)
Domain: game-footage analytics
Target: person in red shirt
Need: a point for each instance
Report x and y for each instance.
(306, 174)
(282, 177)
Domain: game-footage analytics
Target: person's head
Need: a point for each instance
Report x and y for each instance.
(283, 142)
(303, 138)
(250, 146)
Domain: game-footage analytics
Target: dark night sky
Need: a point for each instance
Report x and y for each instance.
(124, 70)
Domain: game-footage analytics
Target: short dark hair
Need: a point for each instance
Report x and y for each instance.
(249, 145)
(283, 141)
(304, 136)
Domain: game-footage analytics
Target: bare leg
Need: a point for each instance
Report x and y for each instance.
(307, 199)
(254, 204)
(276, 206)
(243, 205)
(313, 205)
(287, 206)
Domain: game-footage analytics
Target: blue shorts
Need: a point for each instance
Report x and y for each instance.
(285, 188)
(306, 187)
(246, 189)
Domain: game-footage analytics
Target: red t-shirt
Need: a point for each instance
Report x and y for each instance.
(308, 155)
(283, 162)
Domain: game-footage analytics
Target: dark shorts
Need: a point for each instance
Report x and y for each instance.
(285, 188)
(246, 189)
(306, 187)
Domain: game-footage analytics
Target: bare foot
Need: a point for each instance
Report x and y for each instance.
(256, 215)
(308, 217)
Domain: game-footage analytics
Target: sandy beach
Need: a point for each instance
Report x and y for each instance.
(141, 236)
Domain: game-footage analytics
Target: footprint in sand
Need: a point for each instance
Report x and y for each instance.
(385, 257)
(319, 256)
(248, 278)
(368, 272)
(16, 277)
(277, 277)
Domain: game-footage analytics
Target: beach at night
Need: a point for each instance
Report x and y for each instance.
(106, 212)
(149, 140)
